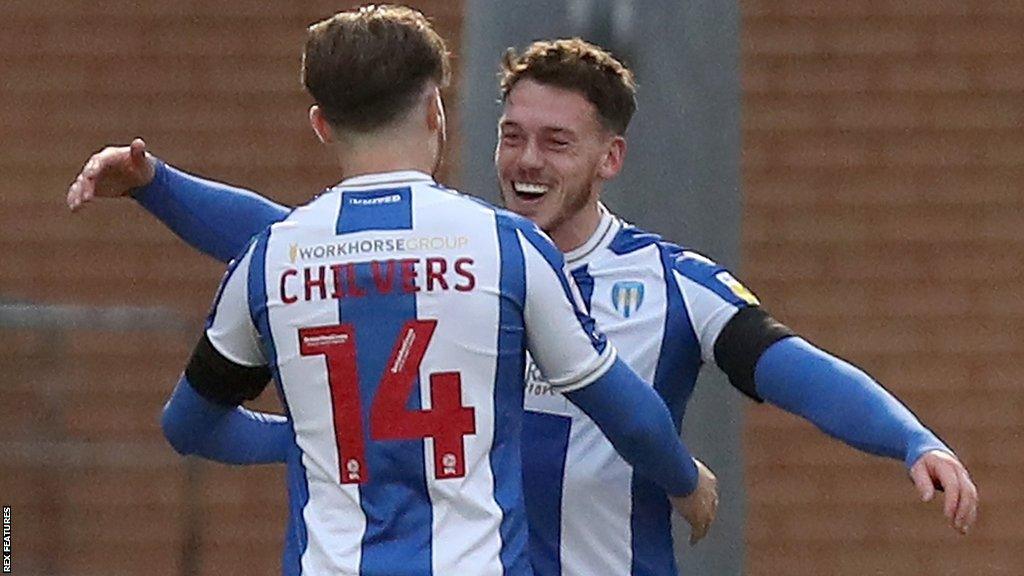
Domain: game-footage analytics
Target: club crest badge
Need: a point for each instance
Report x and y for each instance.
(627, 297)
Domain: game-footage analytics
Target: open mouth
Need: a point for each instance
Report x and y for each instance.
(529, 191)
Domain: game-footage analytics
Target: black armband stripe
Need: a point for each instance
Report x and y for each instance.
(741, 343)
(222, 381)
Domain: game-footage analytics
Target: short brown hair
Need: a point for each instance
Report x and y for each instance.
(366, 67)
(576, 65)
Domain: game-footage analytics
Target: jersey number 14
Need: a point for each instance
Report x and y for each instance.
(446, 422)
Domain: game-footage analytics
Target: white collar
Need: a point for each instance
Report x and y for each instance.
(384, 178)
(606, 230)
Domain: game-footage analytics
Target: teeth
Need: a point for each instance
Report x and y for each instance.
(528, 188)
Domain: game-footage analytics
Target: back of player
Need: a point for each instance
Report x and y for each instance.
(394, 315)
(382, 301)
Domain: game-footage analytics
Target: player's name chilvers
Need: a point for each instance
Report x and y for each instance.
(672, 310)
(366, 494)
(407, 275)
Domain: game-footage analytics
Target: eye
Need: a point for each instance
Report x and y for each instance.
(511, 138)
(558, 144)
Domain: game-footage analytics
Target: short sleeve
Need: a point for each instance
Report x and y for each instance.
(563, 340)
(712, 296)
(230, 327)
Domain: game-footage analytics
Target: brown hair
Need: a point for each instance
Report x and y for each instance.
(576, 65)
(366, 67)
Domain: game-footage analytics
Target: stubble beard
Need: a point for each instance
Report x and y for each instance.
(572, 204)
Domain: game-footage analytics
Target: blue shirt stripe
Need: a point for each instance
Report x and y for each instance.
(506, 452)
(547, 436)
(585, 282)
(674, 379)
(704, 273)
(396, 501)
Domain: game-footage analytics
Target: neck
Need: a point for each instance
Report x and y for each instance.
(575, 231)
(384, 152)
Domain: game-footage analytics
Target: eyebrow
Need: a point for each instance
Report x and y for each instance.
(556, 131)
(549, 130)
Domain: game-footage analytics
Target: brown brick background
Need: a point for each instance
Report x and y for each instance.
(883, 173)
(882, 167)
(214, 88)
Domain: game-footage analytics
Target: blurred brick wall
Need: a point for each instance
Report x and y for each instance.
(883, 172)
(214, 88)
(883, 162)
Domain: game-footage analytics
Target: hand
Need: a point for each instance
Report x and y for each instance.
(937, 469)
(701, 506)
(112, 172)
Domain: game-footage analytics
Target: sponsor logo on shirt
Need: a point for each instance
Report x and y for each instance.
(540, 397)
(389, 199)
(736, 288)
(375, 246)
(536, 385)
(628, 297)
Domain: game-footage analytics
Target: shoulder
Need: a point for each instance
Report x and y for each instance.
(694, 268)
(504, 218)
(630, 239)
(531, 233)
(705, 272)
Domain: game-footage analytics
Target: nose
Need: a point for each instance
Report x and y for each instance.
(531, 157)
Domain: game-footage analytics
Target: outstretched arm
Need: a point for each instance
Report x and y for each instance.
(766, 361)
(214, 218)
(847, 404)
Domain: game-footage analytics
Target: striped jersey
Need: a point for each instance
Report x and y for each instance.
(662, 307)
(393, 314)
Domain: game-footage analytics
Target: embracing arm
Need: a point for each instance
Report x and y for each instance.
(767, 361)
(842, 401)
(214, 218)
(194, 425)
(227, 367)
(639, 426)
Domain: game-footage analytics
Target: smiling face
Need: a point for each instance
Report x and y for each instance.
(552, 157)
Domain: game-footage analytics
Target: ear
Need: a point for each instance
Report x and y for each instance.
(611, 162)
(320, 125)
(435, 110)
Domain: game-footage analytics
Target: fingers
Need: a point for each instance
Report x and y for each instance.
(111, 172)
(698, 531)
(137, 152)
(947, 477)
(939, 470)
(923, 482)
(81, 191)
(967, 511)
(706, 501)
(93, 166)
